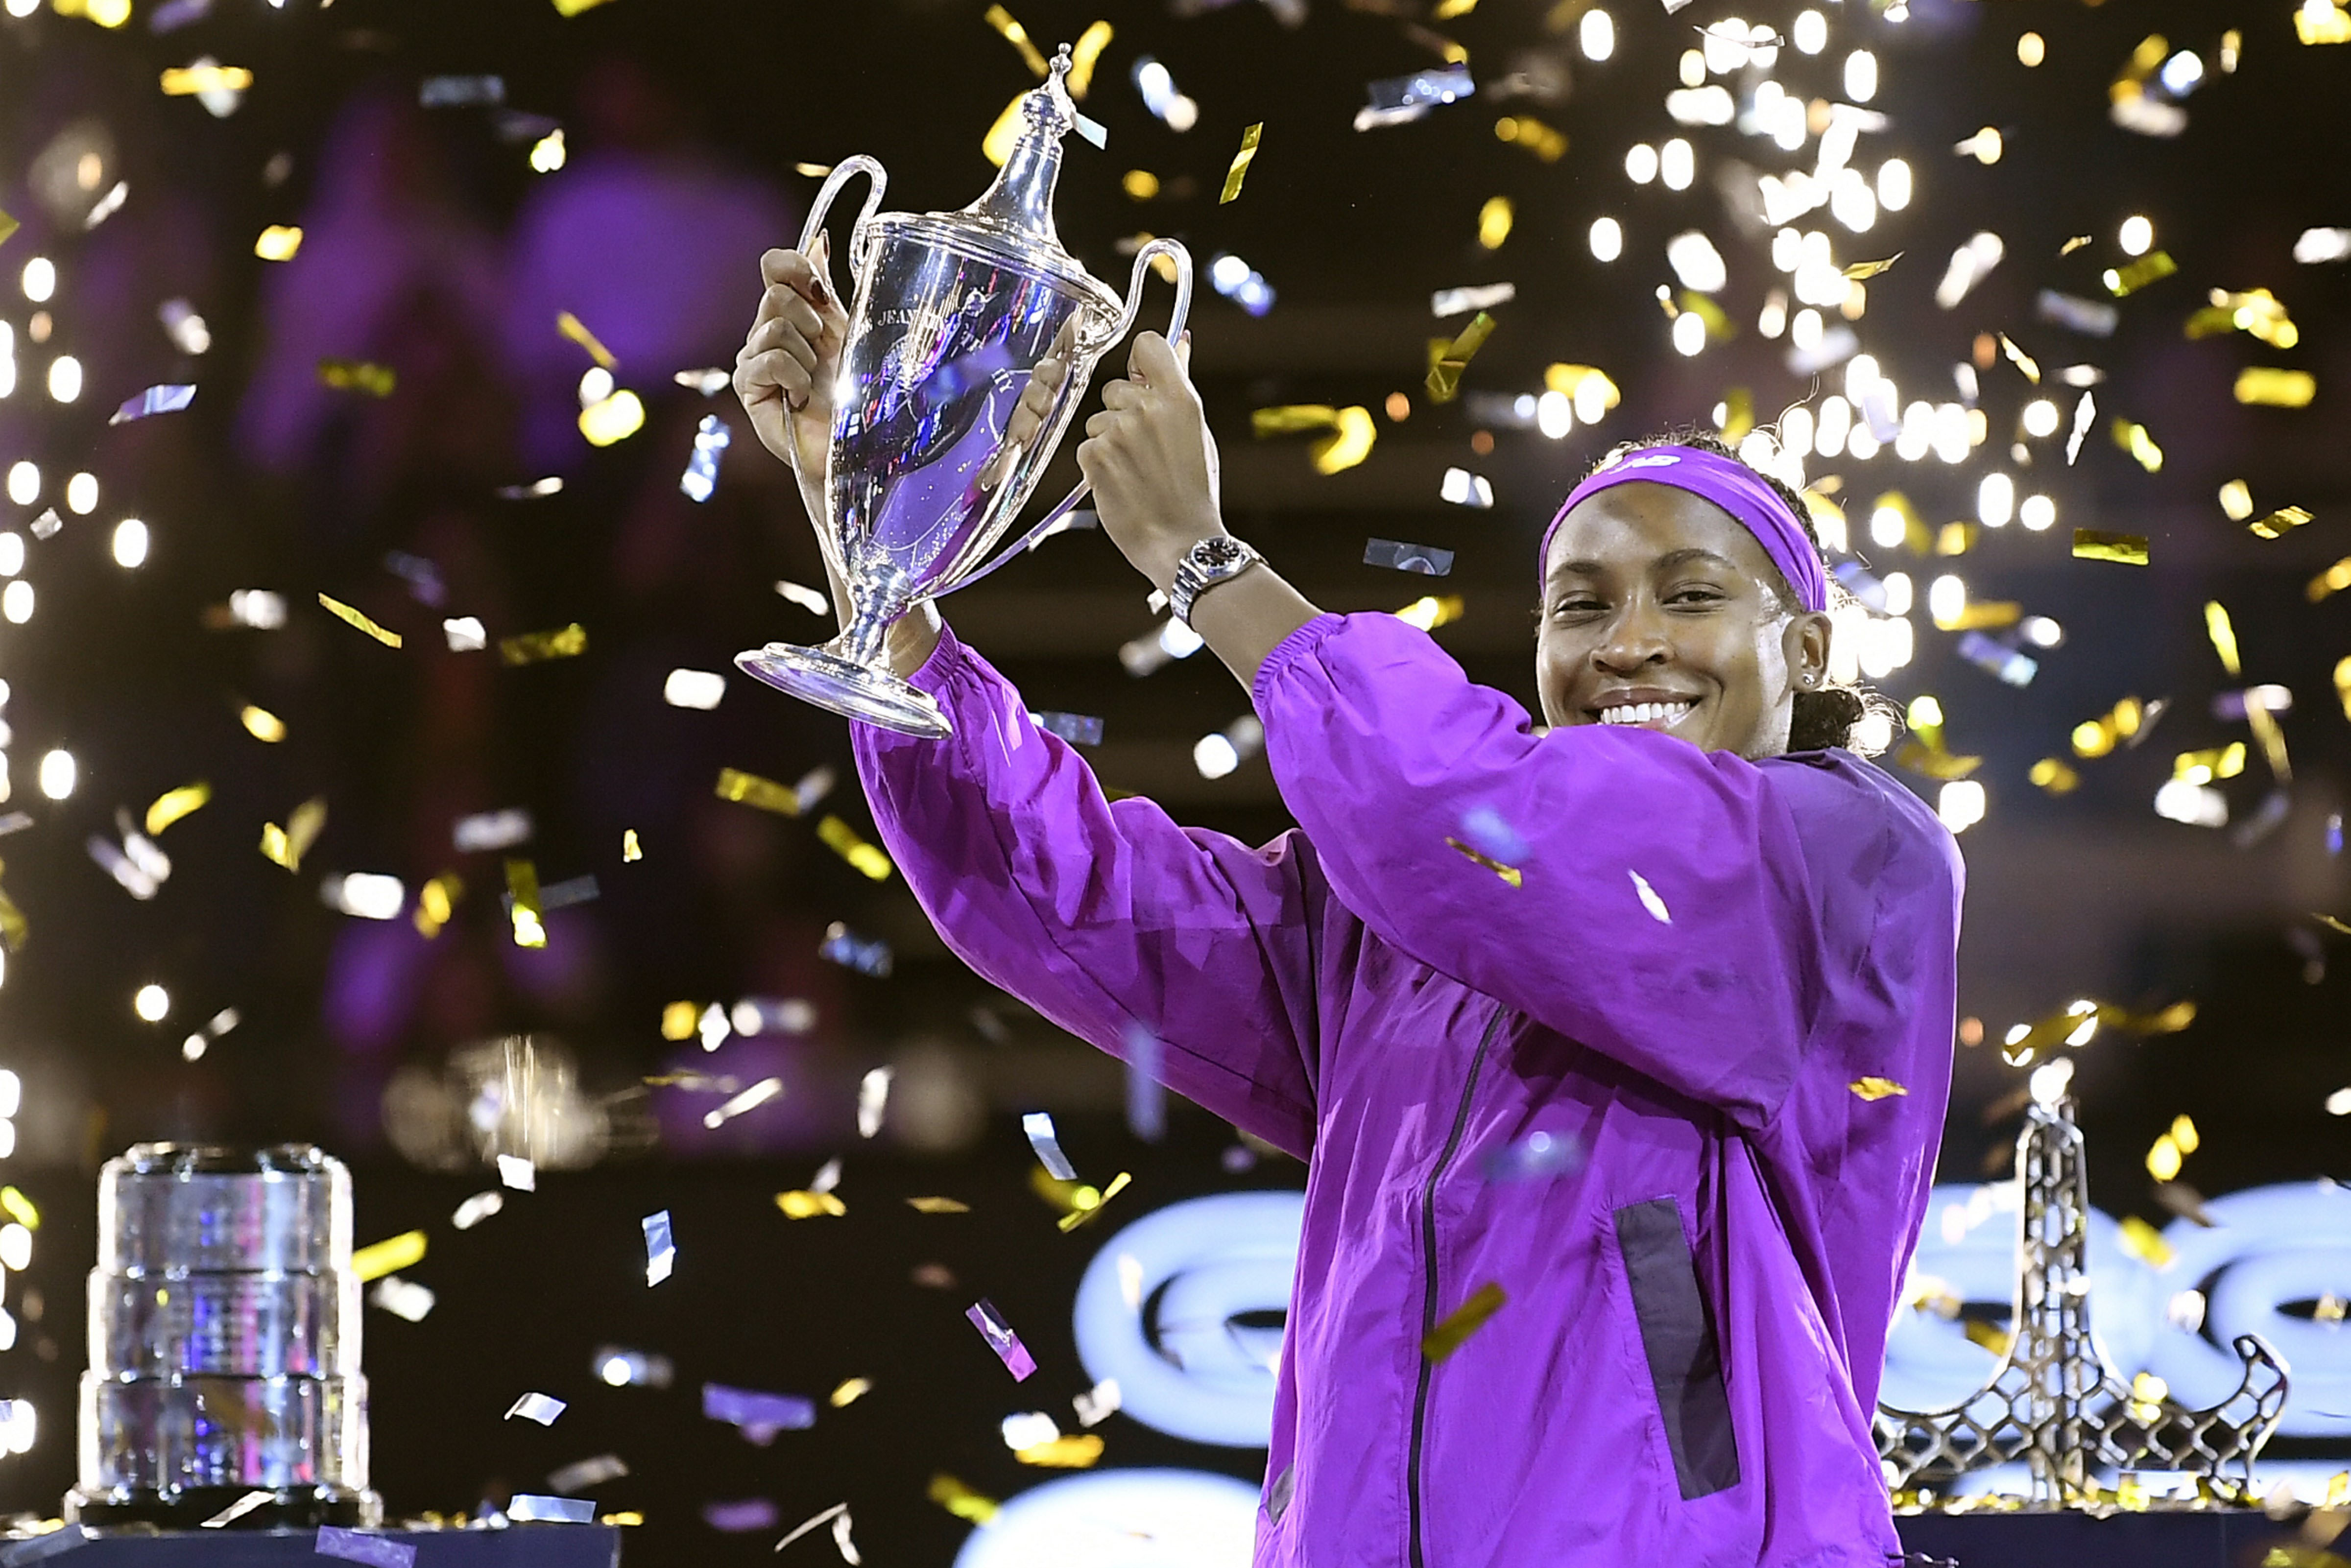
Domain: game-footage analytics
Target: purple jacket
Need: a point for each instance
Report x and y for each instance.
(1688, 1357)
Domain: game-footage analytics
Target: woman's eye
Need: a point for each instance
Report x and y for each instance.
(1580, 605)
(1695, 596)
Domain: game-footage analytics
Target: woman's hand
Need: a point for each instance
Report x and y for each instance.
(785, 375)
(785, 372)
(1151, 462)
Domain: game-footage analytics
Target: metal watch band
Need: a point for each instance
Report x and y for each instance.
(1205, 565)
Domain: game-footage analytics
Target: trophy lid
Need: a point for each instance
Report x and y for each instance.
(1014, 217)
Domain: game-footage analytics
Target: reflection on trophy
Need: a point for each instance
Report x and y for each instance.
(951, 313)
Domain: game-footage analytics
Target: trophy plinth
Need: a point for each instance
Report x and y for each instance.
(951, 316)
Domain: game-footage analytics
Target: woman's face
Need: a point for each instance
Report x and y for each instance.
(1660, 609)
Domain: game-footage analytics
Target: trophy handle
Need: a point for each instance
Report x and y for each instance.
(1176, 319)
(860, 236)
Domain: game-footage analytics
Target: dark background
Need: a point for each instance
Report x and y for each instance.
(2086, 895)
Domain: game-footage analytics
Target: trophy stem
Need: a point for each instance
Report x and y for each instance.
(851, 675)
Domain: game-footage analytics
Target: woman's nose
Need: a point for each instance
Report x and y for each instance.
(1636, 638)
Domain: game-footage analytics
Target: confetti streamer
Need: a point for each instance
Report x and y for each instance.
(1543, 141)
(2224, 633)
(2125, 550)
(534, 647)
(572, 327)
(542, 1408)
(188, 81)
(1085, 1203)
(531, 1507)
(1099, 1403)
(1465, 1320)
(1015, 35)
(1447, 302)
(1001, 1339)
(758, 1414)
(277, 243)
(750, 1099)
(630, 849)
(660, 1252)
(841, 945)
(1397, 556)
(701, 477)
(2269, 388)
(239, 1510)
(938, 1206)
(843, 841)
(288, 844)
(1039, 1128)
(2153, 266)
(803, 1204)
(1874, 1089)
(1077, 728)
(358, 376)
(874, 1100)
(1508, 873)
(2278, 523)
(524, 907)
(491, 831)
(402, 1251)
(2090, 317)
(171, 805)
(1448, 360)
(838, 1510)
(1241, 161)
(343, 612)
(750, 789)
(1861, 271)
(1649, 899)
(155, 400)
(461, 93)
(961, 1500)
(582, 1474)
(358, 1546)
(9, 226)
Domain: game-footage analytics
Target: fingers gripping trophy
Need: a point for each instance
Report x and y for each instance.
(934, 401)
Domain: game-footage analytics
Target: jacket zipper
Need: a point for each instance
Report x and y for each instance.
(1428, 1285)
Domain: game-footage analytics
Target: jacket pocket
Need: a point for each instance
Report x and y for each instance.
(1685, 1362)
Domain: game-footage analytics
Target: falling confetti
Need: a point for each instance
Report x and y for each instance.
(534, 647)
(2127, 550)
(167, 399)
(1465, 1320)
(343, 611)
(542, 1408)
(1001, 1339)
(1876, 1088)
(1241, 161)
(1508, 873)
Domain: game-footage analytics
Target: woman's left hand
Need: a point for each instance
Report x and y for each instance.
(1151, 462)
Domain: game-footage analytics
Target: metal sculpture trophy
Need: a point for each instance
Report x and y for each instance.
(2054, 1405)
(951, 313)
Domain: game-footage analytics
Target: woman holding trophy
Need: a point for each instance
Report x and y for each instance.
(1680, 930)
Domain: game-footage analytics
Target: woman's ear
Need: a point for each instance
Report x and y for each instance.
(1805, 644)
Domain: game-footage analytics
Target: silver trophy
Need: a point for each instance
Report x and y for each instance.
(224, 1342)
(951, 313)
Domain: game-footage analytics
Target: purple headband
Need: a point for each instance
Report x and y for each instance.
(1729, 484)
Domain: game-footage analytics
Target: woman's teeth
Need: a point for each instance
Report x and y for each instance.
(1645, 712)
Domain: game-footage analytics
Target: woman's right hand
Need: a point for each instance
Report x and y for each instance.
(786, 369)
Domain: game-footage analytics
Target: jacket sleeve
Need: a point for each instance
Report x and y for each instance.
(1135, 934)
(1661, 913)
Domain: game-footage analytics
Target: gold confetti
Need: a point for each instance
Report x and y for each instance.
(630, 849)
(2269, 388)
(734, 784)
(1508, 873)
(842, 839)
(261, 724)
(1017, 35)
(1862, 270)
(573, 7)
(2278, 523)
(288, 844)
(9, 226)
(19, 1209)
(2218, 627)
(1494, 221)
(1449, 9)
(2265, 725)
(2163, 1159)
(186, 81)
(2257, 312)
(613, 420)
(436, 900)
(343, 611)
(1084, 55)
(1430, 611)
(2134, 439)
(279, 242)
(2343, 684)
(1532, 134)
(14, 927)
(1992, 1337)
(2097, 736)
(1350, 443)
(851, 1391)
(1140, 184)
(803, 1205)
(1928, 757)
(1462, 1321)
(2213, 762)
(402, 1251)
(1875, 1089)
(173, 804)
(2021, 359)
(1085, 1202)
(1076, 1452)
(359, 375)
(2322, 23)
(2146, 269)
(576, 329)
(1446, 360)
(2053, 774)
(937, 1205)
(2072, 245)
(2334, 579)
(522, 889)
(1241, 161)
(2125, 549)
(961, 1500)
(535, 647)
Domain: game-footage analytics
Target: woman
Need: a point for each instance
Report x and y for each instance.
(1722, 969)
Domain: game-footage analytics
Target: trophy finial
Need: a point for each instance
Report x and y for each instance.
(1022, 197)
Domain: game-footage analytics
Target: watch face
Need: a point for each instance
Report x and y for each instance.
(1217, 552)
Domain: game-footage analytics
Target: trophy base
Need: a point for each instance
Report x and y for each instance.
(187, 1508)
(846, 687)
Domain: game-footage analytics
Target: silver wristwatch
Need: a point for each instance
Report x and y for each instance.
(1205, 564)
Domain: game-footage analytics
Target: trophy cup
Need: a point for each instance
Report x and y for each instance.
(951, 313)
(223, 1344)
